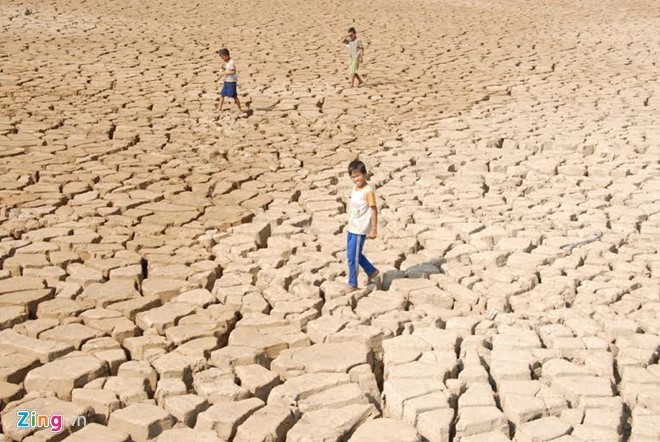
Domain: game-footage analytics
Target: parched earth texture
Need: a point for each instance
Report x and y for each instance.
(169, 272)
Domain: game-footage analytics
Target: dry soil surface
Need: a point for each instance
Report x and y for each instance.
(172, 272)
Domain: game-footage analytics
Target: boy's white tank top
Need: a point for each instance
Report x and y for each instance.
(359, 212)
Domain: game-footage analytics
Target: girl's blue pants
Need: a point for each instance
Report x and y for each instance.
(354, 246)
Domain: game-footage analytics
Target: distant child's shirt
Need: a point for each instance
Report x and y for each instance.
(359, 210)
(355, 48)
(230, 66)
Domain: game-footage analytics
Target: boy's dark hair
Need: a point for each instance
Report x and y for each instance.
(358, 166)
(224, 52)
(352, 31)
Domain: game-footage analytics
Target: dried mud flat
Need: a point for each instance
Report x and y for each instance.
(168, 272)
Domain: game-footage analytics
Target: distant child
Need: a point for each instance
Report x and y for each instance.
(229, 85)
(356, 52)
(362, 221)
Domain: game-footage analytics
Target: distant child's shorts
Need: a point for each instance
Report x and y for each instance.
(229, 89)
(353, 66)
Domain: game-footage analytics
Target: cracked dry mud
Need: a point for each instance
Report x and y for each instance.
(169, 272)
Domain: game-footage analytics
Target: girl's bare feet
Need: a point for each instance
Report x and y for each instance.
(348, 289)
(373, 276)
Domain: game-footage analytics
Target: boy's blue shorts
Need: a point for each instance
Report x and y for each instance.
(229, 89)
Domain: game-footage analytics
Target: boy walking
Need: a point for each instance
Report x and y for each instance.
(362, 221)
(356, 52)
(230, 76)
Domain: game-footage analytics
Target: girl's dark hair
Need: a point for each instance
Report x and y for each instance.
(352, 31)
(224, 52)
(358, 166)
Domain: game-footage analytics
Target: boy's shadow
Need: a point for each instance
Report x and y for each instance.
(265, 108)
(378, 83)
(424, 270)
